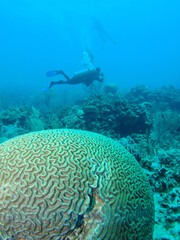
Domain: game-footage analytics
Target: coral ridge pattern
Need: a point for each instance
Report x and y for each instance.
(72, 184)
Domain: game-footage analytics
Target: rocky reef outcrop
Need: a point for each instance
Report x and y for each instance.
(145, 121)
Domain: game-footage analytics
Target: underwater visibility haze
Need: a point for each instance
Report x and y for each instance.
(37, 36)
(89, 119)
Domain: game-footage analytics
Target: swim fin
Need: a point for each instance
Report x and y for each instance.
(44, 89)
(52, 73)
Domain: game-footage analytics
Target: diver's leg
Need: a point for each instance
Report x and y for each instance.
(57, 82)
(61, 72)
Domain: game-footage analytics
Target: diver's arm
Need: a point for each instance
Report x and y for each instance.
(99, 79)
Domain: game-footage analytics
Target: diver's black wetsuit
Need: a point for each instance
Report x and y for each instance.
(86, 77)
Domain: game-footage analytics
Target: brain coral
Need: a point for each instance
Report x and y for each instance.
(71, 184)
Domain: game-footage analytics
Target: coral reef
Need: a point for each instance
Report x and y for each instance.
(72, 184)
(111, 88)
(20, 119)
(163, 168)
(109, 115)
(145, 121)
(164, 97)
(13, 114)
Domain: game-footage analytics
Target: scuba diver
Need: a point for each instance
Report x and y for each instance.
(86, 76)
(87, 59)
(102, 32)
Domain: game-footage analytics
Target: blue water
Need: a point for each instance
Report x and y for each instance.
(41, 35)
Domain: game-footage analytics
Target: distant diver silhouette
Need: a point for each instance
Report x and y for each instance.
(102, 32)
(87, 59)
